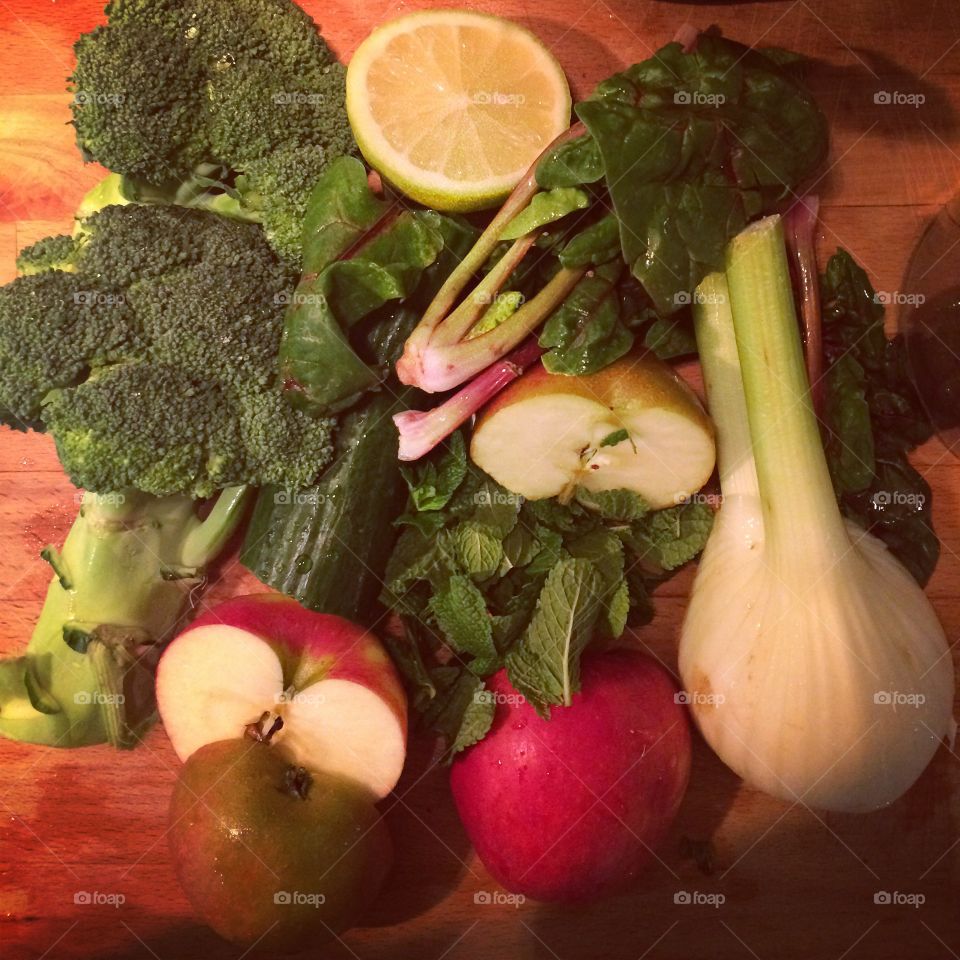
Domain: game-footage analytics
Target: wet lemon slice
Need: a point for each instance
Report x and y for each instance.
(453, 106)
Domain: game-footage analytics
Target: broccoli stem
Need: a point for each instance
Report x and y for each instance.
(129, 573)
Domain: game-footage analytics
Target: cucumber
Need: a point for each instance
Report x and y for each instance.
(327, 545)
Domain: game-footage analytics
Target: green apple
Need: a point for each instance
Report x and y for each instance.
(634, 425)
(270, 854)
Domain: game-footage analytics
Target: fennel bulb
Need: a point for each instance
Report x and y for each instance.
(815, 665)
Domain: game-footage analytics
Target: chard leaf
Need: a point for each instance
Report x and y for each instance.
(874, 417)
(599, 243)
(341, 208)
(586, 333)
(461, 614)
(693, 146)
(543, 209)
(320, 369)
(545, 664)
(571, 164)
(669, 337)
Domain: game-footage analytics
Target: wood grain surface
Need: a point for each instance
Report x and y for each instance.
(798, 885)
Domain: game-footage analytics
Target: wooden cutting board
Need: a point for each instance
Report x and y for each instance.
(797, 885)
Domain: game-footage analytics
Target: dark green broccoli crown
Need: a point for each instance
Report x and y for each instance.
(50, 253)
(154, 365)
(138, 101)
(166, 86)
(54, 327)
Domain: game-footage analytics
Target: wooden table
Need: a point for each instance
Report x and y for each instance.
(798, 885)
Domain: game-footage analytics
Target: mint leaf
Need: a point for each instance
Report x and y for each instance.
(667, 539)
(417, 557)
(461, 614)
(612, 439)
(479, 549)
(618, 609)
(545, 665)
(460, 711)
(435, 479)
(520, 546)
(624, 505)
(549, 552)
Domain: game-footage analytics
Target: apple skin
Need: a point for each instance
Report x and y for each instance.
(317, 643)
(206, 692)
(240, 843)
(528, 792)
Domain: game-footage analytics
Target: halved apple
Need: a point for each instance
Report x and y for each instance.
(634, 425)
(262, 659)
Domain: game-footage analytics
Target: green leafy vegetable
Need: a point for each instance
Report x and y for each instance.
(874, 418)
(545, 208)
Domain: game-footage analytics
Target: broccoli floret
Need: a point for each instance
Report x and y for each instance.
(55, 326)
(51, 253)
(153, 365)
(168, 92)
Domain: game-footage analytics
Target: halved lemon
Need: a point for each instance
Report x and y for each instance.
(453, 106)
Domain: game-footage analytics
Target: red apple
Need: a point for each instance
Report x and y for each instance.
(571, 808)
(329, 681)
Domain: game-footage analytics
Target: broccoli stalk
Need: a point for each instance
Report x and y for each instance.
(86, 676)
(145, 346)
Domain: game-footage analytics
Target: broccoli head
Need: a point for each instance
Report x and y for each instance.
(169, 91)
(153, 362)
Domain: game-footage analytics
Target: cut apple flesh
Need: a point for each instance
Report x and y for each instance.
(330, 724)
(632, 426)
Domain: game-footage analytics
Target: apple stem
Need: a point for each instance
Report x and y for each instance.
(257, 731)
